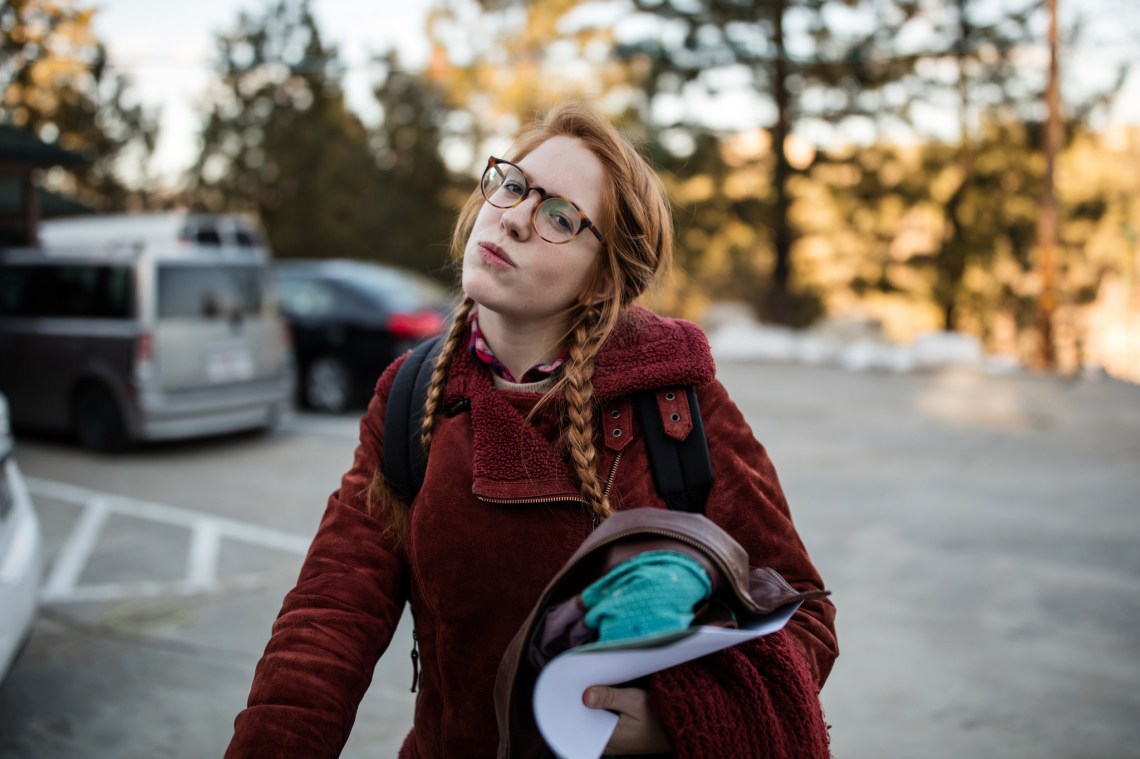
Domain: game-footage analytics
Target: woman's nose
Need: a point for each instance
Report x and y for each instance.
(516, 220)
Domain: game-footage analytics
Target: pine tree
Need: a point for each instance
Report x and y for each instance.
(56, 82)
(280, 141)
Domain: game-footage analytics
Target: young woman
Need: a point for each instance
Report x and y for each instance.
(532, 443)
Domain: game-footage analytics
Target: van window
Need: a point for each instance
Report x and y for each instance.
(186, 291)
(247, 239)
(208, 236)
(67, 291)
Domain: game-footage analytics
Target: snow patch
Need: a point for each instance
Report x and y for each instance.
(857, 346)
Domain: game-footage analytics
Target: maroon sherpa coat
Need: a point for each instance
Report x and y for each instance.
(499, 514)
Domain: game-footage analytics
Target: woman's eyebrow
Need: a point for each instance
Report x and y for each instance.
(548, 192)
(530, 179)
(542, 188)
(530, 182)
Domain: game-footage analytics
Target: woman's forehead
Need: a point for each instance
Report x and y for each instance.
(565, 166)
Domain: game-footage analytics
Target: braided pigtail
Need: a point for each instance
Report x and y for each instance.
(383, 503)
(589, 332)
(439, 373)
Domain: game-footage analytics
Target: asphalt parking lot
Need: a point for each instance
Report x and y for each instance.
(979, 534)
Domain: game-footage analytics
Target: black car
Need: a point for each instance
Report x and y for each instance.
(350, 319)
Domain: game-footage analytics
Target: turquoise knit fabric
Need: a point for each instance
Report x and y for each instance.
(652, 593)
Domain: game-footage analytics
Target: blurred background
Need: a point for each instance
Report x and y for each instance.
(912, 165)
(910, 228)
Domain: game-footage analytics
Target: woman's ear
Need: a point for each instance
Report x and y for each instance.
(601, 296)
(601, 287)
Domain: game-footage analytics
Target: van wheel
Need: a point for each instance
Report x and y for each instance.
(98, 421)
(328, 385)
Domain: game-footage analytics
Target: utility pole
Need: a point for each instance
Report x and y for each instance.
(1048, 216)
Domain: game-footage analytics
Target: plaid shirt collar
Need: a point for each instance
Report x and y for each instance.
(481, 350)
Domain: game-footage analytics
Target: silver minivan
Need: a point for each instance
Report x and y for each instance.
(124, 328)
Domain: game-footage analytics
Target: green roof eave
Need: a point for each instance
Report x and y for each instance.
(51, 205)
(19, 148)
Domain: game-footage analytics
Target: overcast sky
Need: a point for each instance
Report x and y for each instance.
(167, 49)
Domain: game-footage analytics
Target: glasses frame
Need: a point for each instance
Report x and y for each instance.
(543, 196)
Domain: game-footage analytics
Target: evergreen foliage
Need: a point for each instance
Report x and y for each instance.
(843, 156)
(281, 142)
(55, 81)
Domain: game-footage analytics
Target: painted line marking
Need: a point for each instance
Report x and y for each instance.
(160, 512)
(202, 560)
(136, 589)
(74, 554)
(341, 428)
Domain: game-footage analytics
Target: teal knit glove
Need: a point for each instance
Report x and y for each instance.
(652, 593)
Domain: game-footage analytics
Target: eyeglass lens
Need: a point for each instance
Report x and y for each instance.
(555, 220)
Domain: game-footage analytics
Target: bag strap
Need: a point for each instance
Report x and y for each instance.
(404, 459)
(682, 469)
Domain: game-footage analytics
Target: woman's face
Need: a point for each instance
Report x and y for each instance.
(508, 268)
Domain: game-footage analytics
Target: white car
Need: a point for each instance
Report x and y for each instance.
(21, 551)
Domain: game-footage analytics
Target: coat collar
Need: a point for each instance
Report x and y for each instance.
(512, 462)
(645, 352)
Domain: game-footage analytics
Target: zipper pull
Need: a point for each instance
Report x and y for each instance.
(415, 661)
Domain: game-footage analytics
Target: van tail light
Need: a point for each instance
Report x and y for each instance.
(144, 357)
(417, 326)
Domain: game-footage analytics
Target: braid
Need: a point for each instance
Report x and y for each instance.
(383, 503)
(439, 373)
(586, 338)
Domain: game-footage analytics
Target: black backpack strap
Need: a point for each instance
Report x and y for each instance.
(404, 459)
(682, 469)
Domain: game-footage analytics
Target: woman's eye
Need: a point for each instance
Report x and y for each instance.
(562, 221)
(514, 188)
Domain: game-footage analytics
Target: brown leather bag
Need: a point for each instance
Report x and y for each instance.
(738, 591)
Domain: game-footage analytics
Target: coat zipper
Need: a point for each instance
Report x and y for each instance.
(415, 652)
(549, 499)
(609, 484)
(542, 596)
(558, 499)
(415, 660)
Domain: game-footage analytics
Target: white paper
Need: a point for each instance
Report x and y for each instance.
(574, 731)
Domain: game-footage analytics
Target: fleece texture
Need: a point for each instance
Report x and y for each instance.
(500, 512)
(754, 700)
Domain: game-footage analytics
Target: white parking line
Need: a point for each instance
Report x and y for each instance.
(202, 561)
(77, 550)
(207, 534)
(339, 427)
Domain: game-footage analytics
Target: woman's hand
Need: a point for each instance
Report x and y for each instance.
(637, 731)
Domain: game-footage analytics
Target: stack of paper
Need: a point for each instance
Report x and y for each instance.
(574, 731)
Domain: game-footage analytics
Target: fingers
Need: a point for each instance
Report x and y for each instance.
(630, 701)
(637, 730)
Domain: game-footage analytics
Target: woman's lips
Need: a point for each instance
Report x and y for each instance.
(495, 256)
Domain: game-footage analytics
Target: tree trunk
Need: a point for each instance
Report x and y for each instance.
(1047, 219)
(780, 304)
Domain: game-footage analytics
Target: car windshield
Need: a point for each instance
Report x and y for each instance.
(189, 291)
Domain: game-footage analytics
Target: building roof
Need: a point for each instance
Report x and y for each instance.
(51, 205)
(19, 147)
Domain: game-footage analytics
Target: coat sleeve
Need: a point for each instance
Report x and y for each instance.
(333, 625)
(748, 503)
(756, 699)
